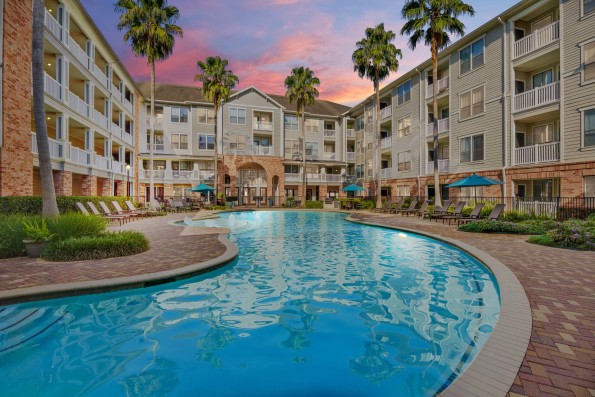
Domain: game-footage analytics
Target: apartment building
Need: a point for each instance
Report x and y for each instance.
(516, 103)
(89, 99)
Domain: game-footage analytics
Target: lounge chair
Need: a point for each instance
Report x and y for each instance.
(422, 209)
(95, 211)
(396, 206)
(494, 215)
(82, 208)
(458, 211)
(120, 211)
(473, 215)
(108, 212)
(411, 207)
(437, 210)
(385, 206)
(135, 210)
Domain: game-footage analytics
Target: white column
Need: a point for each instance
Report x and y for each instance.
(89, 140)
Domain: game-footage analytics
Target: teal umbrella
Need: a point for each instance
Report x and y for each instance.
(474, 181)
(353, 188)
(202, 188)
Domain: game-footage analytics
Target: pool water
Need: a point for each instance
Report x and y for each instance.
(314, 305)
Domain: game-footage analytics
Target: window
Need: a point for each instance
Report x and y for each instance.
(472, 103)
(590, 186)
(179, 141)
(182, 165)
(237, 142)
(179, 115)
(292, 149)
(312, 150)
(311, 125)
(472, 192)
(404, 126)
(359, 171)
(542, 78)
(403, 190)
(589, 128)
(404, 161)
(543, 134)
(157, 164)
(237, 116)
(206, 165)
(471, 148)
(292, 169)
(206, 141)
(359, 123)
(589, 60)
(471, 57)
(588, 6)
(291, 122)
(206, 116)
(543, 188)
(404, 93)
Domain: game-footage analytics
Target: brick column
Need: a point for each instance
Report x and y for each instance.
(121, 188)
(89, 187)
(168, 190)
(16, 160)
(322, 192)
(63, 183)
(106, 184)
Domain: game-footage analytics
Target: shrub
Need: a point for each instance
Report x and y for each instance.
(368, 204)
(76, 225)
(36, 231)
(520, 216)
(542, 239)
(105, 245)
(572, 234)
(314, 204)
(31, 205)
(12, 234)
(501, 227)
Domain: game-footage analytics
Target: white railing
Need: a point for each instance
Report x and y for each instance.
(55, 147)
(103, 163)
(537, 97)
(100, 119)
(442, 167)
(77, 104)
(293, 177)
(263, 125)
(100, 76)
(350, 156)
(126, 137)
(118, 167)
(53, 25)
(79, 156)
(333, 177)
(442, 86)
(127, 105)
(184, 174)
(206, 175)
(536, 40)
(386, 143)
(158, 120)
(329, 133)
(386, 112)
(262, 150)
(443, 126)
(540, 153)
(116, 130)
(52, 87)
(386, 173)
(159, 147)
(350, 132)
(78, 52)
(330, 155)
(157, 174)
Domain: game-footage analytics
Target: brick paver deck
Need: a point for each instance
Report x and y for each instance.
(560, 285)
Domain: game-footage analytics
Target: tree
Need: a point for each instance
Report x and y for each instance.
(374, 58)
(48, 194)
(431, 21)
(217, 83)
(301, 88)
(150, 28)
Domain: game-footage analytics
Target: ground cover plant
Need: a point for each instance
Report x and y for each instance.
(104, 245)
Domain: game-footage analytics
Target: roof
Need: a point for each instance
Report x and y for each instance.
(321, 106)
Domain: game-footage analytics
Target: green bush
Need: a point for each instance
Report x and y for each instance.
(314, 204)
(12, 234)
(520, 216)
(368, 204)
(74, 224)
(542, 239)
(106, 245)
(31, 205)
(501, 227)
(36, 231)
(572, 234)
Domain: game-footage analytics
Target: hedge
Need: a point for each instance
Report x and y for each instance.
(486, 226)
(314, 204)
(31, 205)
(105, 245)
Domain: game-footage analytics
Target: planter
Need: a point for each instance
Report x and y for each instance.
(35, 248)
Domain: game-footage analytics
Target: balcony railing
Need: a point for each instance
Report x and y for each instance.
(159, 147)
(314, 178)
(386, 143)
(262, 150)
(330, 156)
(263, 125)
(116, 130)
(77, 104)
(127, 105)
(442, 167)
(52, 87)
(158, 120)
(350, 132)
(333, 178)
(206, 175)
(184, 174)
(99, 75)
(79, 156)
(540, 153)
(443, 126)
(386, 112)
(544, 95)
(386, 173)
(442, 86)
(329, 133)
(536, 40)
(53, 26)
(350, 156)
(55, 147)
(103, 163)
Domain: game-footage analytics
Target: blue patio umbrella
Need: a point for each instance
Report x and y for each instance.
(202, 188)
(353, 188)
(474, 181)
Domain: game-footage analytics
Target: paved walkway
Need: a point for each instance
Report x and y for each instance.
(560, 285)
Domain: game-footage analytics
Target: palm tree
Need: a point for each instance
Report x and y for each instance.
(374, 58)
(217, 83)
(150, 27)
(301, 88)
(48, 194)
(431, 21)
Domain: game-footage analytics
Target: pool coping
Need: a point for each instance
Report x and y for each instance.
(494, 368)
(53, 291)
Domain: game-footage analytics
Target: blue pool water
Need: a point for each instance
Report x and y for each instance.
(313, 306)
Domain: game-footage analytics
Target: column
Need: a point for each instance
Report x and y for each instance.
(63, 183)
(89, 186)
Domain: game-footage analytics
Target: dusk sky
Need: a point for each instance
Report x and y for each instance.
(264, 39)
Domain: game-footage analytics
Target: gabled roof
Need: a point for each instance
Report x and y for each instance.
(254, 89)
(321, 106)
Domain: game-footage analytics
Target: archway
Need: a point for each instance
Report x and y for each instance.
(252, 184)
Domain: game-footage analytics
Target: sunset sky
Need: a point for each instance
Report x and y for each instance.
(264, 39)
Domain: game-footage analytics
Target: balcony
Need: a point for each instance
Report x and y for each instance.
(540, 153)
(386, 143)
(52, 87)
(183, 175)
(443, 126)
(262, 125)
(262, 150)
(158, 147)
(79, 156)
(386, 112)
(386, 173)
(330, 156)
(540, 96)
(350, 133)
(100, 119)
(55, 147)
(442, 167)
(329, 133)
(314, 178)
(350, 156)
(536, 40)
(206, 176)
(442, 87)
(293, 178)
(158, 121)
(102, 163)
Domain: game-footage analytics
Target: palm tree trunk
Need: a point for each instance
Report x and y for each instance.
(151, 139)
(216, 156)
(378, 146)
(304, 187)
(48, 194)
(437, 198)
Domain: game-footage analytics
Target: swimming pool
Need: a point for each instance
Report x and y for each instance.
(313, 306)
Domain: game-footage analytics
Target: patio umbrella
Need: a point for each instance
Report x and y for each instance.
(203, 188)
(474, 181)
(353, 188)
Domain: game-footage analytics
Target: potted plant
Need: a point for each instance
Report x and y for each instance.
(38, 237)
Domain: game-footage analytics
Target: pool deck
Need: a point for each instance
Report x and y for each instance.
(559, 285)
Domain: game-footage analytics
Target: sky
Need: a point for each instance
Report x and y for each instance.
(264, 39)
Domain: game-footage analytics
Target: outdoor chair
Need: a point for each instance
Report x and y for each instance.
(411, 207)
(82, 208)
(386, 205)
(95, 211)
(135, 210)
(422, 209)
(108, 212)
(494, 215)
(458, 211)
(395, 206)
(473, 215)
(120, 211)
(437, 210)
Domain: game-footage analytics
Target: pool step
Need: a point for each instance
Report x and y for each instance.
(17, 327)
